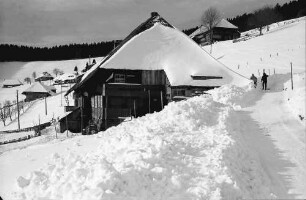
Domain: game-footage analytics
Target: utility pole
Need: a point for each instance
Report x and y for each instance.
(18, 113)
(46, 111)
(291, 77)
(61, 94)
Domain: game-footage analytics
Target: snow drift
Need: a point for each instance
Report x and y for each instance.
(176, 153)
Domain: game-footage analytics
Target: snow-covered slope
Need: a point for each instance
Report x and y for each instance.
(176, 153)
(274, 50)
(26, 69)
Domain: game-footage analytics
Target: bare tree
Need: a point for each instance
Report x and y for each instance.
(34, 75)
(3, 115)
(57, 71)
(209, 20)
(27, 80)
(8, 109)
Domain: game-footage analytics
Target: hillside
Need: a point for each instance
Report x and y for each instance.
(285, 42)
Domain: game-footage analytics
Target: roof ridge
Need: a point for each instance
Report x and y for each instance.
(154, 18)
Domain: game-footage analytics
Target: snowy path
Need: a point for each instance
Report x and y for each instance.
(278, 138)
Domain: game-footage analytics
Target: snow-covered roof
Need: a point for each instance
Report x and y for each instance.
(223, 23)
(39, 88)
(66, 76)
(157, 45)
(11, 82)
(44, 76)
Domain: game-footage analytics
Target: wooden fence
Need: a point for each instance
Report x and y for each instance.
(36, 129)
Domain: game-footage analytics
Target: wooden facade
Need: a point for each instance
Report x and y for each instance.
(219, 34)
(30, 96)
(114, 95)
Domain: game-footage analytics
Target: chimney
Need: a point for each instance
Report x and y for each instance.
(154, 14)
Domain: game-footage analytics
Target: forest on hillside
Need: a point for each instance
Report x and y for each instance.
(245, 22)
(287, 11)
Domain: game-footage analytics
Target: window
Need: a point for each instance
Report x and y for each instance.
(178, 92)
(119, 78)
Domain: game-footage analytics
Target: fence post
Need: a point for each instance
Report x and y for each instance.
(61, 94)
(46, 111)
(18, 114)
(291, 77)
(39, 124)
(66, 124)
(105, 112)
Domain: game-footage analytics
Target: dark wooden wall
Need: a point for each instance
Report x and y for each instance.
(156, 77)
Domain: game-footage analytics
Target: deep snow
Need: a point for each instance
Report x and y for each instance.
(238, 143)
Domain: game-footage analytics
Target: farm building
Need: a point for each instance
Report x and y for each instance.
(11, 83)
(65, 78)
(45, 76)
(223, 30)
(38, 90)
(152, 66)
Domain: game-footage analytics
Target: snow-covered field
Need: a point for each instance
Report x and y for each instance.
(274, 50)
(238, 143)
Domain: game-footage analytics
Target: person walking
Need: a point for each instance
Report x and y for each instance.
(264, 80)
(254, 79)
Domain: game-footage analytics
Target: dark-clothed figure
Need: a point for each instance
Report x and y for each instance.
(254, 79)
(264, 80)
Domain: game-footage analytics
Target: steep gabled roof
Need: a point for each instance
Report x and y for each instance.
(38, 87)
(223, 23)
(157, 45)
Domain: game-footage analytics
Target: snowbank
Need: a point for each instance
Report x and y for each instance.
(176, 153)
(296, 97)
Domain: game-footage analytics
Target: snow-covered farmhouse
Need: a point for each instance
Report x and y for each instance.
(152, 66)
(224, 30)
(45, 76)
(11, 83)
(38, 90)
(65, 78)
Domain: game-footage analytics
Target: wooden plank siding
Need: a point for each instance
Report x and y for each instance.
(153, 77)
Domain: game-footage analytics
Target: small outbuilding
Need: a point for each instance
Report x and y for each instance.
(224, 30)
(38, 90)
(45, 76)
(65, 78)
(8, 83)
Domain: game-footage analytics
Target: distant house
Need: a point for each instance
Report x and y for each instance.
(11, 83)
(223, 30)
(45, 76)
(65, 78)
(38, 90)
(152, 66)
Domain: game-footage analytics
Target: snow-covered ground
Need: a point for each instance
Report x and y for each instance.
(274, 50)
(21, 70)
(36, 113)
(238, 143)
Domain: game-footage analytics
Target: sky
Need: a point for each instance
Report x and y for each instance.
(53, 22)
